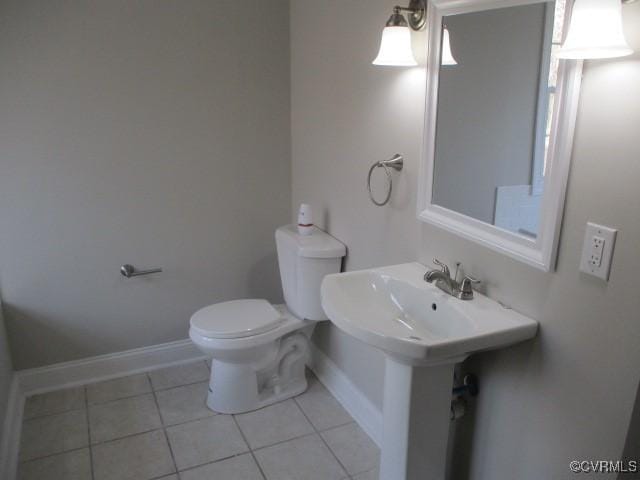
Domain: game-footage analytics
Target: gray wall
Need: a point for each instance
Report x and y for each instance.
(153, 132)
(568, 394)
(346, 114)
(487, 107)
(6, 372)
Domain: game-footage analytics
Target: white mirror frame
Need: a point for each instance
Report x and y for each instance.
(541, 252)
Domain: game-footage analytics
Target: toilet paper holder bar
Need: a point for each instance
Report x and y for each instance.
(130, 271)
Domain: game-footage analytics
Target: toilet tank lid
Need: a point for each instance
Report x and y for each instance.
(317, 245)
(236, 319)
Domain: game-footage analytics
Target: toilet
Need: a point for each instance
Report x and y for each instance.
(259, 350)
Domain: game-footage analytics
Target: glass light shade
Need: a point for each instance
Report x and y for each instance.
(447, 56)
(395, 48)
(595, 31)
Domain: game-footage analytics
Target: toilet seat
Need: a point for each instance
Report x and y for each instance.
(236, 319)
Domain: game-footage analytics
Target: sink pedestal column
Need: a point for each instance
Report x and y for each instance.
(416, 412)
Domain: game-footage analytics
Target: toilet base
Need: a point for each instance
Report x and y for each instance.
(295, 388)
(241, 387)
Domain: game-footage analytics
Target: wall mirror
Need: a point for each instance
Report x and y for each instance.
(499, 124)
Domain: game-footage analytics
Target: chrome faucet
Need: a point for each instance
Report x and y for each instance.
(442, 279)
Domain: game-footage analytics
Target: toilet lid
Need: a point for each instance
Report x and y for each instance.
(236, 319)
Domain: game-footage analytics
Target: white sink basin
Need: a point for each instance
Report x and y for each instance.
(394, 309)
(424, 333)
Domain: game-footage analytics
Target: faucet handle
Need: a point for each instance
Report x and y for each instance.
(465, 286)
(443, 267)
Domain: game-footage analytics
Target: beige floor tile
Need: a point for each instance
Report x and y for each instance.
(306, 458)
(183, 404)
(275, 423)
(355, 450)
(118, 388)
(179, 375)
(53, 434)
(139, 457)
(54, 402)
(207, 440)
(242, 467)
(321, 408)
(119, 418)
(75, 465)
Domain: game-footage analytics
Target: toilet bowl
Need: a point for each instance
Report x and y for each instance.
(258, 350)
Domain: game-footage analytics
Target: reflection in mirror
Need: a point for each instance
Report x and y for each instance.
(494, 114)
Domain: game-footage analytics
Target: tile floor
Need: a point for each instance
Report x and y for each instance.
(157, 426)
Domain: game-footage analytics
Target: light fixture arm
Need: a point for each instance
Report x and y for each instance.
(417, 14)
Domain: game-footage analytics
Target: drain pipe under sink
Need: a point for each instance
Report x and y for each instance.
(468, 387)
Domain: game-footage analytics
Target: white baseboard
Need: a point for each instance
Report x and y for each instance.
(10, 440)
(353, 400)
(80, 372)
(104, 367)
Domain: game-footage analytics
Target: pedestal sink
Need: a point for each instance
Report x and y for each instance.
(424, 333)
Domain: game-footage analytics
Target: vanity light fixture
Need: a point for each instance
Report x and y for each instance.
(595, 31)
(447, 56)
(395, 45)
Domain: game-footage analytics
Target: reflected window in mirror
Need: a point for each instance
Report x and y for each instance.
(495, 114)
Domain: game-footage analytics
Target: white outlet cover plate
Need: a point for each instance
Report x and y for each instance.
(609, 234)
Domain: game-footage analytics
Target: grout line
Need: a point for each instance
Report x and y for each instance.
(283, 441)
(173, 458)
(155, 400)
(126, 436)
(193, 467)
(324, 430)
(184, 384)
(177, 386)
(52, 455)
(322, 439)
(53, 414)
(118, 399)
(235, 420)
(164, 431)
(86, 404)
(197, 419)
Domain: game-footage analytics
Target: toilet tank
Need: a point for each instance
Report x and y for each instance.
(304, 260)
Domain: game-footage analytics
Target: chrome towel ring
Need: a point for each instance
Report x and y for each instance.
(396, 162)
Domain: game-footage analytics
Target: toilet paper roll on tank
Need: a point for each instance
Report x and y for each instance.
(305, 219)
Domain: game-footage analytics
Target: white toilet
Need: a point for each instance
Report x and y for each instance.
(259, 350)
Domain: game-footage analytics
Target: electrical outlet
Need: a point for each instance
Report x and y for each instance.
(597, 250)
(597, 246)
